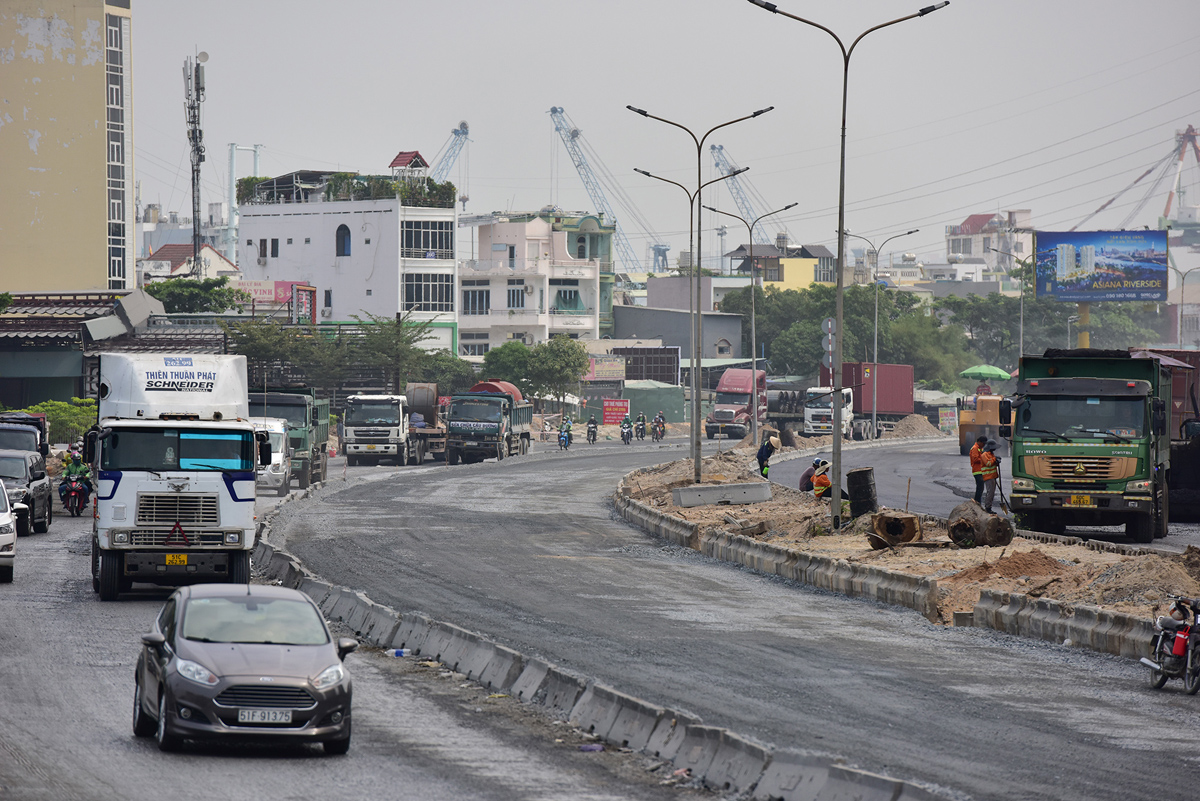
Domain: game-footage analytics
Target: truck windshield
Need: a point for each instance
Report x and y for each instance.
(1078, 416)
(374, 413)
(295, 413)
(733, 398)
(177, 449)
(18, 439)
(12, 467)
(822, 399)
(476, 409)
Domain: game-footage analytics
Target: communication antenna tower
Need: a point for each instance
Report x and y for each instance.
(193, 96)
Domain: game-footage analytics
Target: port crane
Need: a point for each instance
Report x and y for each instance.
(727, 166)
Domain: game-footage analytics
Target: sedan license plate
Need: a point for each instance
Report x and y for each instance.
(1081, 500)
(264, 716)
(177, 559)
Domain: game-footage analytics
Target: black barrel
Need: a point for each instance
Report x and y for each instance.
(860, 486)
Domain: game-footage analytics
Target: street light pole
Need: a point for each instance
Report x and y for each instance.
(753, 290)
(1182, 286)
(693, 200)
(1026, 264)
(835, 506)
(875, 357)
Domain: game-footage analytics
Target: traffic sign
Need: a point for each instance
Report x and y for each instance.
(829, 325)
(827, 361)
(828, 342)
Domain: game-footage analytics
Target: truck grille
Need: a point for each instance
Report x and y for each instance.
(359, 438)
(169, 508)
(723, 416)
(248, 695)
(163, 539)
(1081, 468)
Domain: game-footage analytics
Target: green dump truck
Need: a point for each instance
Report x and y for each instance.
(491, 420)
(308, 428)
(1090, 445)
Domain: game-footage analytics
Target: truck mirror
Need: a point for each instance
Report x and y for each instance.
(1005, 412)
(264, 453)
(1005, 431)
(44, 449)
(958, 403)
(89, 447)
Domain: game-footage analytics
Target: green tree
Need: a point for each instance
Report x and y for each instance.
(197, 296)
(265, 343)
(245, 188)
(67, 421)
(509, 362)
(390, 345)
(557, 365)
(5, 301)
(325, 358)
(449, 372)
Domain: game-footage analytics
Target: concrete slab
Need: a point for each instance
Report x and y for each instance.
(705, 494)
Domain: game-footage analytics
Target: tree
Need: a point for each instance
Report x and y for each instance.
(197, 296)
(449, 372)
(67, 422)
(509, 362)
(557, 365)
(264, 343)
(325, 358)
(5, 301)
(391, 345)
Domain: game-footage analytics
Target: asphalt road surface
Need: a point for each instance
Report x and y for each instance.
(931, 477)
(529, 552)
(66, 693)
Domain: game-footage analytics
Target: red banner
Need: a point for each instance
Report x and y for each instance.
(615, 410)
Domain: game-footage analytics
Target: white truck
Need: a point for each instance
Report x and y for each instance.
(375, 427)
(174, 455)
(818, 411)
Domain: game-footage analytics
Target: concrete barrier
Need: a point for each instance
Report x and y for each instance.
(738, 764)
(669, 734)
(635, 724)
(1044, 619)
(597, 708)
(533, 673)
(559, 691)
(794, 776)
(698, 749)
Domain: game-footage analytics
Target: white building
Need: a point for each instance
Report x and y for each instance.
(982, 235)
(365, 256)
(1065, 262)
(540, 274)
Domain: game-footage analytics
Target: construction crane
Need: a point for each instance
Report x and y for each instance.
(572, 139)
(458, 138)
(726, 166)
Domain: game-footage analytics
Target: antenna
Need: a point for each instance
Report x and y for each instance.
(193, 96)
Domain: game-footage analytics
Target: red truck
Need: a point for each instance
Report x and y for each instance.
(731, 413)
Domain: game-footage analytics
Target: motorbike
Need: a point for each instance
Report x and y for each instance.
(76, 496)
(564, 439)
(626, 433)
(1175, 648)
(591, 434)
(656, 431)
(641, 430)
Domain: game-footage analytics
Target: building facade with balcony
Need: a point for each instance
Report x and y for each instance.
(367, 249)
(538, 275)
(1008, 231)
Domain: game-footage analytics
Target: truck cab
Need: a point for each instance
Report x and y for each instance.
(818, 411)
(276, 476)
(733, 406)
(375, 427)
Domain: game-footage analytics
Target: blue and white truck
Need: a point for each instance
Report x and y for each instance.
(173, 454)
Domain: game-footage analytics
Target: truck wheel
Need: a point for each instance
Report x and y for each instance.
(451, 457)
(1140, 529)
(112, 564)
(1162, 520)
(305, 475)
(710, 434)
(524, 446)
(239, 567)
(351, 461)
(6, 574)
(95, 566)
(501, 450)
(410, 454)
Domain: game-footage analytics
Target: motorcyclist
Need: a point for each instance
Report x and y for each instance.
(641, 425)
(566, 426)
(626, 427)
(76, 468)
(660, 423)
(592, 426)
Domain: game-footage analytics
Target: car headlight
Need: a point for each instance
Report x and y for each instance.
(120, 537)
(7, 528)
(195, 672)
(15, 492)
(1022, 484)
(1139, 486)
(329, 677)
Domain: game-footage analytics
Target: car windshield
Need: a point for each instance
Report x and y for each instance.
(1082, 417)
(18, 439)
(476, 409)
(374, 413)
(177, 449)
(733, 398)
(296, 414)
(12, 467)
(250, 619)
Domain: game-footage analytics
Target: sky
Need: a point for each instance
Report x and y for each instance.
(1049, 105)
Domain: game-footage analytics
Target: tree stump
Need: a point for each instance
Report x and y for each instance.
(970, 526)
(893, 528)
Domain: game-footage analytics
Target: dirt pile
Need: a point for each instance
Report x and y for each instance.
(915, 425)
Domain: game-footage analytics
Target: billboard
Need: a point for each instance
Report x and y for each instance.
(1086, 266)
(615, 410)
(605, 368)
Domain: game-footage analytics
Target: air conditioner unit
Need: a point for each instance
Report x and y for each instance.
(528, 289)
(326, 312)
(262, 262)
(528, 341)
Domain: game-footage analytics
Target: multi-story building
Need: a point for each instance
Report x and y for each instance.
(1010, 232)
(362, 241)
(540, 274)
(66, 131)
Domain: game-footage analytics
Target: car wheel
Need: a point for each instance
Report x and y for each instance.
(239, 567)
(44, 526)
(6, 574)
(143, 724)
(284, 489)
(111, 563)
(305, 476)
(166, 741)
(338, 747)
(23, 523)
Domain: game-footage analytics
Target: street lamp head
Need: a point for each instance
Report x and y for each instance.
(926, 9)
(790, 205)
(637, 110)
(762, 111)
(764, 4)
(913, 231)
(738, 171)
(643, 172)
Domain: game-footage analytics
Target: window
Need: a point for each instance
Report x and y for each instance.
(516, 293)
(290, 240)
(581, 247)
(274, 248)
(262, 248)
(473, 344)
(368, 293)
(774, 273)
(427, 239)
(367, 241)
(328, 298)
(343, 240)
(307, 240)
(724, 348)
(428, 292)
(826, 271)
(476, 301)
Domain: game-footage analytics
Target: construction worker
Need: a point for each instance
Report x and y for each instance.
(976, 455)
(806, 478)
(820, 482)
(764, 454)
(990, 474)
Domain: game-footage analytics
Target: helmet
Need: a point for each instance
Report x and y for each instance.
(817, 461)
(75, 458)
(1178, 612)
(823, 468)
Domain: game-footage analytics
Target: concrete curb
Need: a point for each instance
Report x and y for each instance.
(1044, 619)
(719, 758)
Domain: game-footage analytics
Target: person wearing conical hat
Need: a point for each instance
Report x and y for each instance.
(764, 454)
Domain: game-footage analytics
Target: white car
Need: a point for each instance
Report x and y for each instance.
(8, 535)
(277, 476)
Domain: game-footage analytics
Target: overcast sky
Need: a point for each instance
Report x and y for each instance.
(1049, 105)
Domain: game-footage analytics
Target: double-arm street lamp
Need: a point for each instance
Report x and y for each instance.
(693, 228)
(1183, 274)
(836, 468)
(753, 289)
(875, 357)
(1026, 264)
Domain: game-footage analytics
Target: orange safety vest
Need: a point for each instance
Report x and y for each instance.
(991, 469)
(821, 485)
(976, 459)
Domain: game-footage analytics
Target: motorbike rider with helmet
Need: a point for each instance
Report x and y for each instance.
(76, 469)
(592, 426)
(626, 430)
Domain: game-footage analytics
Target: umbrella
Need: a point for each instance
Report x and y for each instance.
(985, 372)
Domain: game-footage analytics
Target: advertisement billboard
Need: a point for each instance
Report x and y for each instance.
(1086, 266)
(605, 368)
(615, 410)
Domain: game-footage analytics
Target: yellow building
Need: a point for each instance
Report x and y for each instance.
(66, 132)
(791, 268)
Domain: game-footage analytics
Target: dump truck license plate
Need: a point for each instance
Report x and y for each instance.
(1081, 500)
(177, 559)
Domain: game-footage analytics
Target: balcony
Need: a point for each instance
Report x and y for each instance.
(485, 267)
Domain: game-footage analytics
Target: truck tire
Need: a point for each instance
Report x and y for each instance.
(451, 456)
(501, 450)
(112, 564)
(304, 476)
(95, 565)
(710, 434)
(239, 567)
(1162, 521)
(524, 446)
(1141, 528)
(351, 461)
(410, 455)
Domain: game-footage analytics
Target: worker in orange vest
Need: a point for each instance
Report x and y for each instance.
(990, 475)
(820, 481)
(976, 455)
